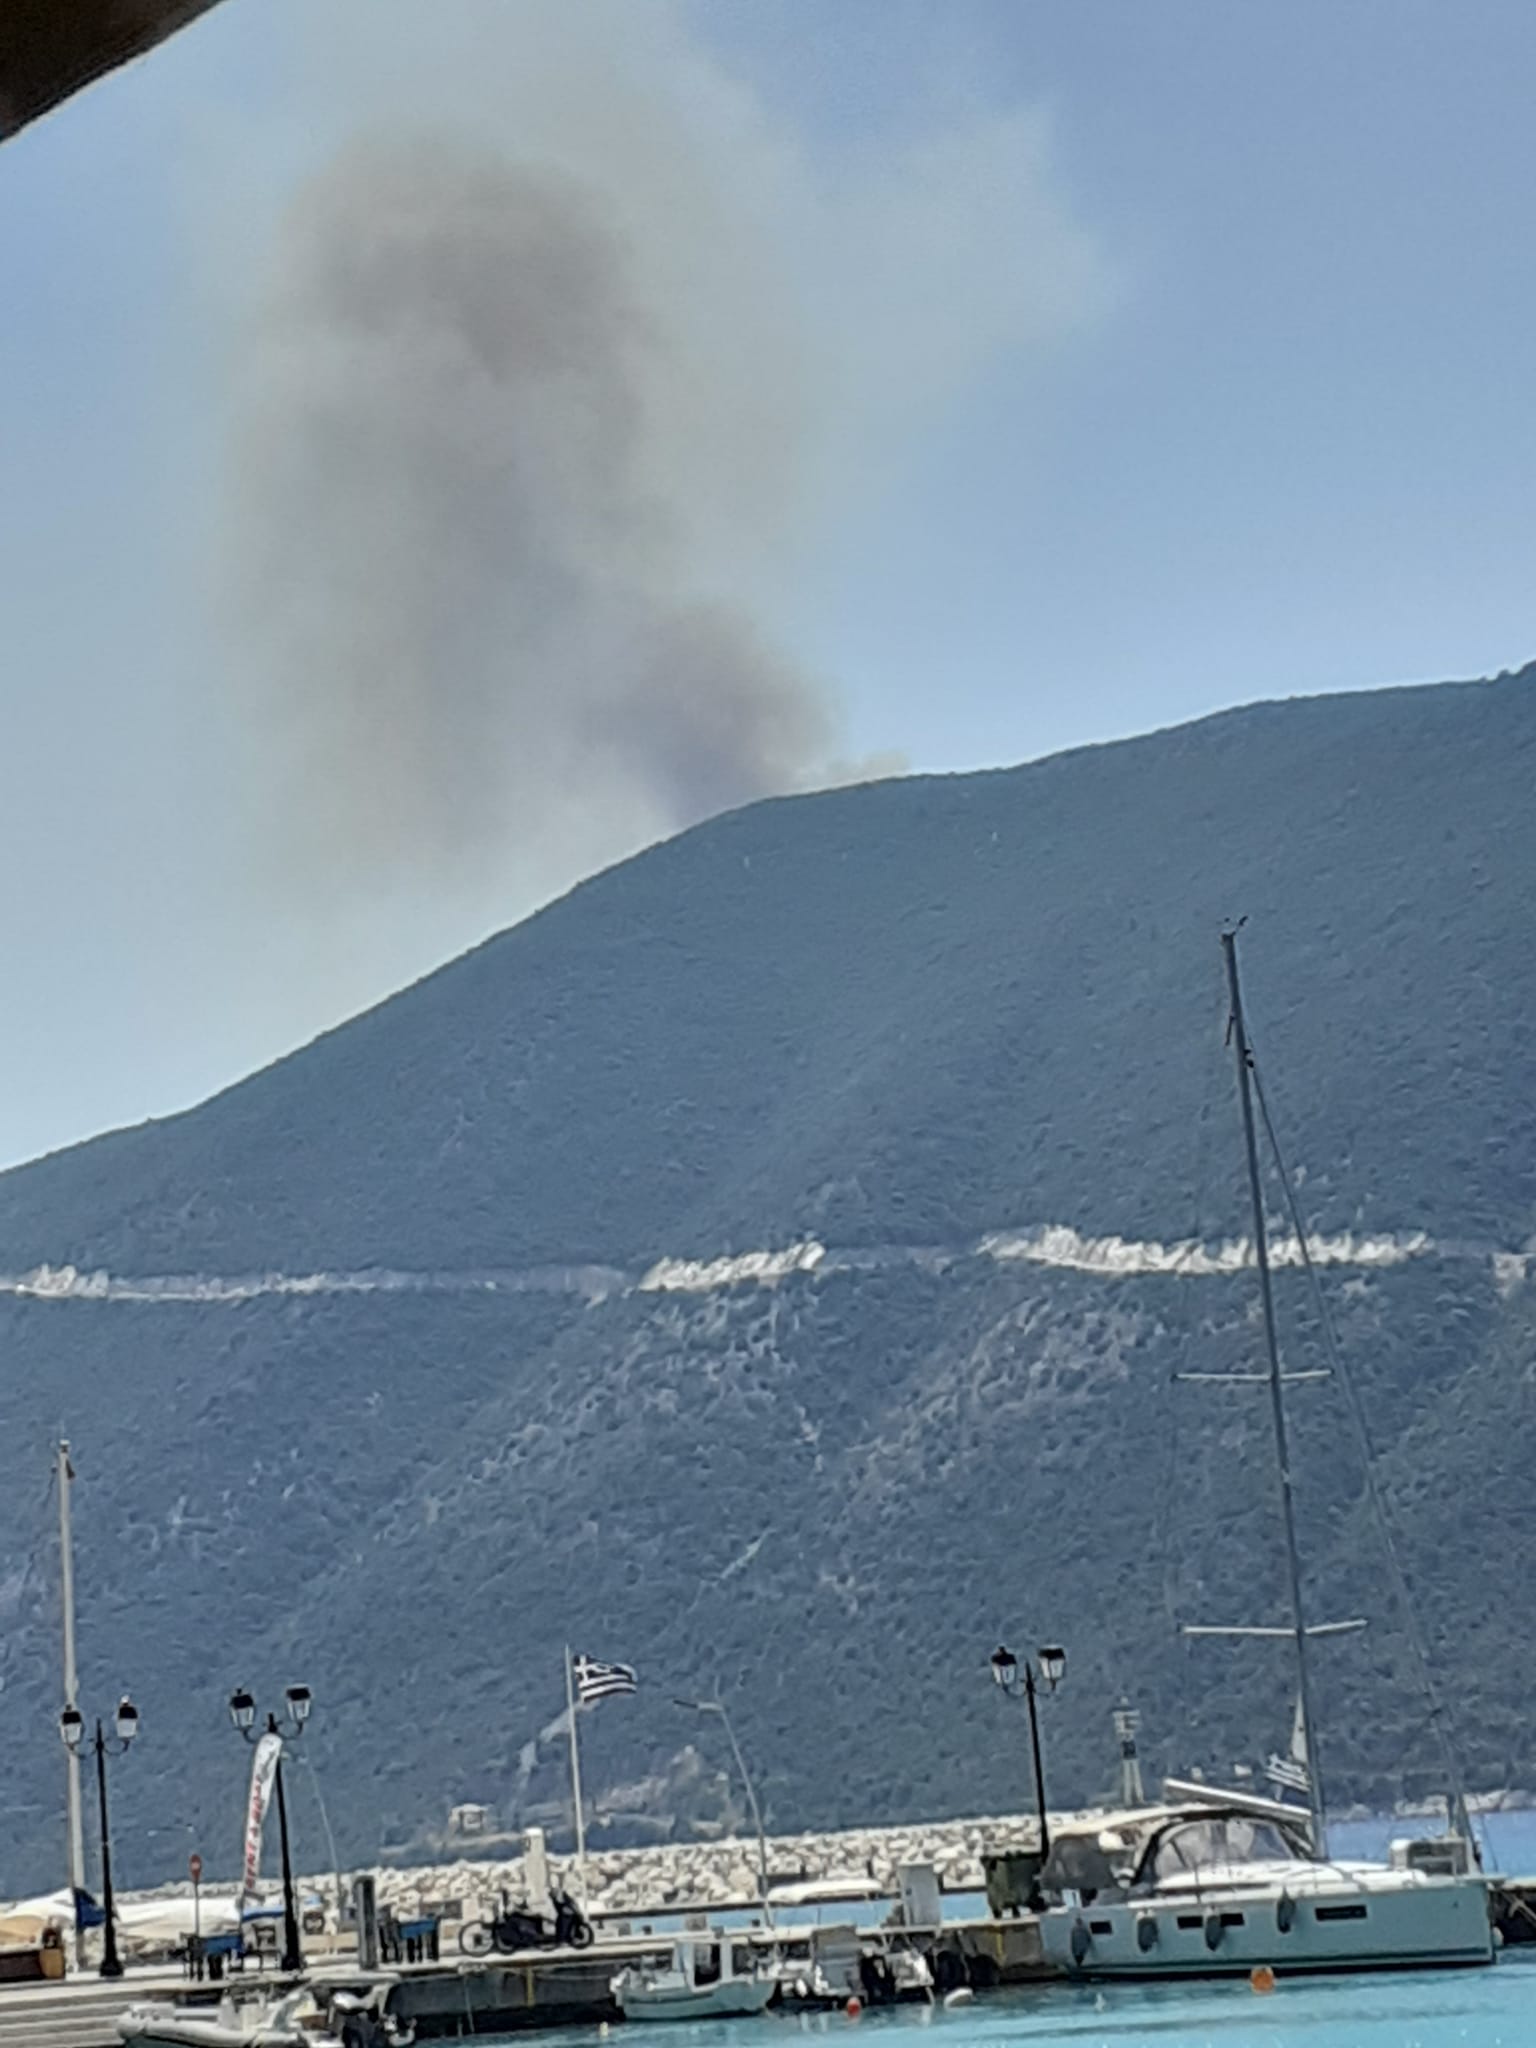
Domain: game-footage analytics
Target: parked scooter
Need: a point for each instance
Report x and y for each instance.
(519, 1927)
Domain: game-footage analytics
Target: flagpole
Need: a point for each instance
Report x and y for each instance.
(74, 1837)
(581, 1831)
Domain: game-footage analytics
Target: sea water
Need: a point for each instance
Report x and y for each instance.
(1479, 2008)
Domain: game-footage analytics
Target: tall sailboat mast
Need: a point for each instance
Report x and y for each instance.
(1244, 1055)
(76, 1840)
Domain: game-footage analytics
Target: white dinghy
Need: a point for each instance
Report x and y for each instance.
(288, 2019)
(233, 2023)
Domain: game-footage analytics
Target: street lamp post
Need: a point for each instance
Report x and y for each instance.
(1005, 1670)
(242, 1711)
(717, 1707)
(72, 1728)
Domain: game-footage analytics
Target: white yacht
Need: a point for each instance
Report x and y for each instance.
(1218, 1889)
(704, 1976)
(1230, 1883)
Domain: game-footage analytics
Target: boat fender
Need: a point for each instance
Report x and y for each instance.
(1146, 1931)
(1082, 1941)
(1285, 1913)
(1213, 1931)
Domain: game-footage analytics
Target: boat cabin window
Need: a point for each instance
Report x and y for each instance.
(743, 1960)
(1077, 1863)
(1224, 1838)
(706, 1963)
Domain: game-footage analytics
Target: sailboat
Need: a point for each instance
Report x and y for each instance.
(1226, 1883)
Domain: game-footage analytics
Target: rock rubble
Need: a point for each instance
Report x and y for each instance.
(724, 1872)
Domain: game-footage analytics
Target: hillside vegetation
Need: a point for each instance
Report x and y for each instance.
(897, 1021)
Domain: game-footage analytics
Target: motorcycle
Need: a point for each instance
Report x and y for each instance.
(518, 1927)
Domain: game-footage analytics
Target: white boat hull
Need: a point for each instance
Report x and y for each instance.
(149, 2026)
(208, 2034)
(737, 1998)
(1432, 1924)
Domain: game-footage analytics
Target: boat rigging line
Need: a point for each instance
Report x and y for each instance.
(1460, 1814)
(1238, 1037)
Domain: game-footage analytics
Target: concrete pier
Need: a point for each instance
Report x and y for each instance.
(462, 1997)
(506, 1995)
(80, 2011)
(509, 1994)
(992, 1953)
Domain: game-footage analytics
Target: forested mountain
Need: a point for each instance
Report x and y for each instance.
(404, 1361)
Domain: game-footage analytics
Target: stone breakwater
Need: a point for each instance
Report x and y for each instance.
(720, 1873)
(669, 1876)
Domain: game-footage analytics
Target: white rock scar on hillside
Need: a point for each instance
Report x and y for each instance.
(1055, 1245)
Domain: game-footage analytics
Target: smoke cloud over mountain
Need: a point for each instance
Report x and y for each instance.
(471, 572)
(562, 355)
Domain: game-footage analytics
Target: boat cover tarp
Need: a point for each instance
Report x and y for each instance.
(22, 1930)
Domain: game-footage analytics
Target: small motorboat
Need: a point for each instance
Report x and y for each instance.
(823, 1967)
(288, 2021)
(703, 1977)
(293, 2020)
(816, 1967)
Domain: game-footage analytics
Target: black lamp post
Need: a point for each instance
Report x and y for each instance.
(242, 1711)
(72, 1728)
(1005, 1670)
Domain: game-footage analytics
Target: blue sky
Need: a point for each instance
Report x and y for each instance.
(1145, 359)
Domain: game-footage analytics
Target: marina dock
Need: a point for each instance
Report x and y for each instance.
(512, 1994)
(462, 1997)
(80, 2011)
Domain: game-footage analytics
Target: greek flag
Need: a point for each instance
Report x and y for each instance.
(1288, 1774)
(599, 1681)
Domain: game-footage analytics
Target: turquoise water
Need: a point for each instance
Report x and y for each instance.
(1493, 2008)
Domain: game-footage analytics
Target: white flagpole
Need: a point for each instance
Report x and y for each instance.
(74, 1837)
(581, 1830)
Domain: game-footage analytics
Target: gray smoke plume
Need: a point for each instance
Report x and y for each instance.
(464, 570)
(563, 346)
